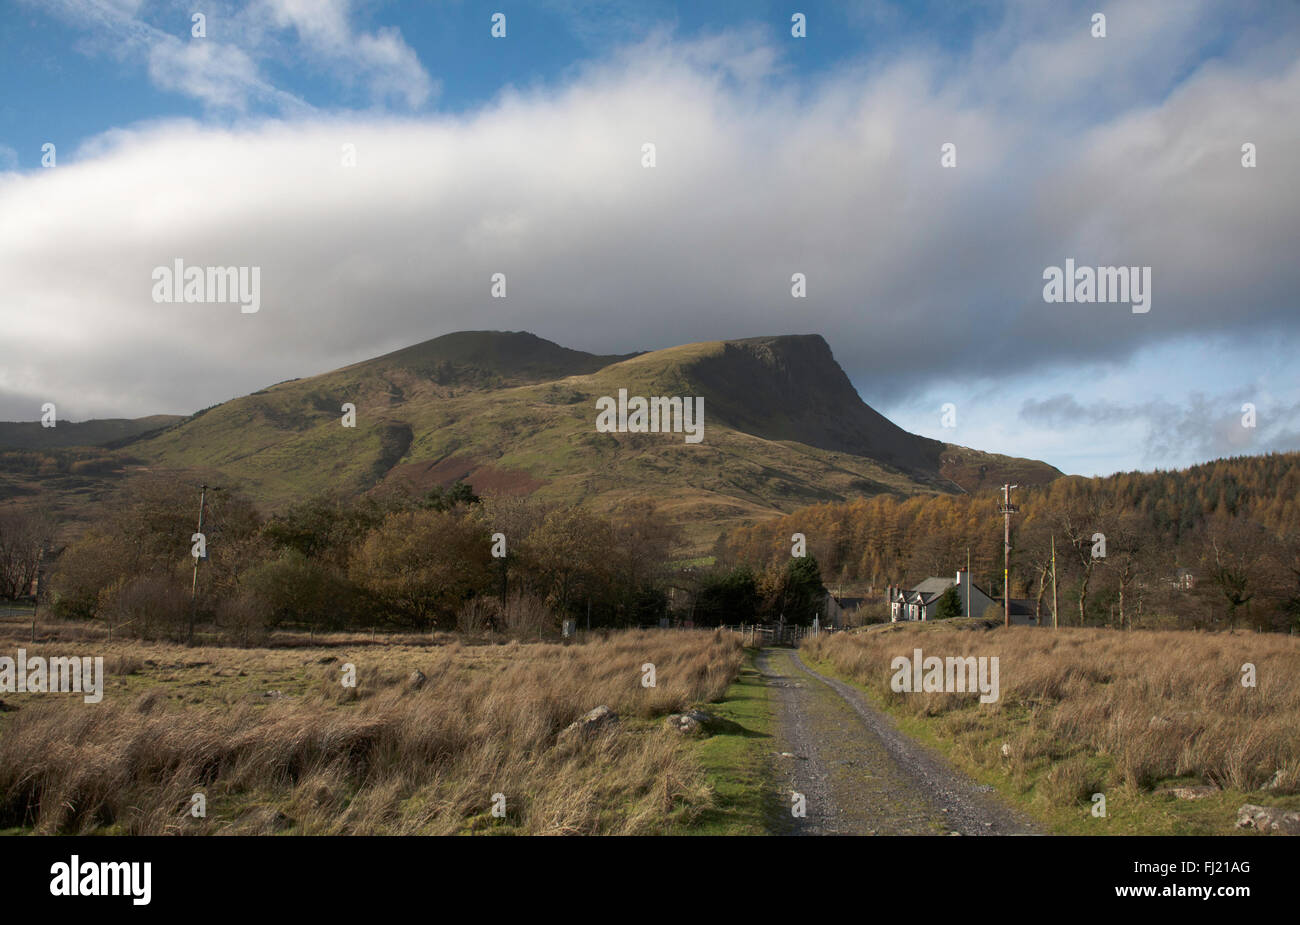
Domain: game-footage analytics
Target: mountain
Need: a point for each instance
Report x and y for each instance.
(486, 359)
(512, 413)
(106, 432)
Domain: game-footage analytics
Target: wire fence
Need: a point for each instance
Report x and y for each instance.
(777, 634)
(17, 617)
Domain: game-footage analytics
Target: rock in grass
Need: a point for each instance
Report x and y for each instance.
(694, 723)
(1280, 782)
(1268, 819)
(590, 723)
(416, 680)
(1187, 792)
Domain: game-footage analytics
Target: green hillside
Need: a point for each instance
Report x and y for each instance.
(512, 413)
(31, 435)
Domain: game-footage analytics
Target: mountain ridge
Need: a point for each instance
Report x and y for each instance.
(513, 413)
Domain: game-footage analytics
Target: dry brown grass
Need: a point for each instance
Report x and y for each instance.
(1083, 709)
(385, 757)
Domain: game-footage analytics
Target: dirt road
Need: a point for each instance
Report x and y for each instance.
(859, 775)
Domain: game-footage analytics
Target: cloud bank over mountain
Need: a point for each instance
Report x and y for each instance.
(1115, 151)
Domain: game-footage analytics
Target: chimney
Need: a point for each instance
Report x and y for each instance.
(959, 574)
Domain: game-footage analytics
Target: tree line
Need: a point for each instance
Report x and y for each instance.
(397, 560)
(440, 559)
(1217, 545)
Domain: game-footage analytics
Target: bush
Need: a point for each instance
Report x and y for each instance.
(527, 616)
(294, 588)
(244, 616)
(155, 605)
(478, 615)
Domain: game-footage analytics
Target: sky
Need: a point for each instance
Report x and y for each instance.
(774, 154)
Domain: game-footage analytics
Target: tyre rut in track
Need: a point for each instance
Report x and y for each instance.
(859, 774)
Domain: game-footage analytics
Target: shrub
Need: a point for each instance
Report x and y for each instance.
(155, 605)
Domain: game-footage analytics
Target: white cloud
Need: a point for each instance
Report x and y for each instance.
(225, 70)
(915, 273)
(382, 59)
(218, 75)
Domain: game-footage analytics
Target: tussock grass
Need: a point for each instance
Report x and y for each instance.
(1084, 711)
(277, 744)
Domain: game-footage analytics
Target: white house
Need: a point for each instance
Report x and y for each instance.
(922, 601)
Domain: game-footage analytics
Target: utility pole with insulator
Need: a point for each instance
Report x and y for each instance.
(194, 585)
(36, 587)
(1007, 509)
(1055, 625)
(968, 581)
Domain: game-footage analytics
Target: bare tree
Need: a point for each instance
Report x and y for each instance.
(1126, 543)
(23, 536)
(1235, 553)
(1034, 548)
(1078, 522)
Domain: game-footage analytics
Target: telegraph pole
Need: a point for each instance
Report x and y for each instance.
(1007, 509)
(1054, 623)
(968, 580)
(194, 586)
(36, 587)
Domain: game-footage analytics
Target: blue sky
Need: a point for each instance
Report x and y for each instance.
(818, 155)
(50, 54)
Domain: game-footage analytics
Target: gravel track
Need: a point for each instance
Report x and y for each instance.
(859, 774)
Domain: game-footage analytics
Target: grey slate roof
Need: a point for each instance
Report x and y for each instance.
(934, 587)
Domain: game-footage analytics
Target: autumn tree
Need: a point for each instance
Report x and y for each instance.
(794, 592)
(567, 552)
(325, 527)
(1033, 552)
(423, 564)
(147, 529)
(643, 541)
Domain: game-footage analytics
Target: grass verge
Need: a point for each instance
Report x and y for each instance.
(736, 760)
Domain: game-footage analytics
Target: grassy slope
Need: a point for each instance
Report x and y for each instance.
(514, 413)
(31, 435)
(293, 754)
(1129, 810)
